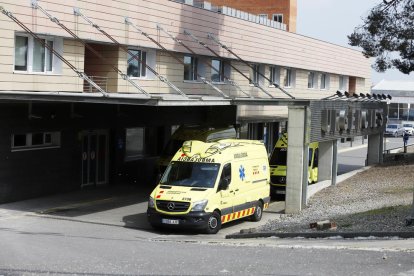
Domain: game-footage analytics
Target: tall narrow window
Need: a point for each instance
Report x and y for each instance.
(217, 70)
(137, 61)
(311, 80)
(323, 81)
(288, 78)
(20, 53)
(274, 75)
(190, 68)
(39, 56)
(342, 83)
(254, 74)
(49, 56)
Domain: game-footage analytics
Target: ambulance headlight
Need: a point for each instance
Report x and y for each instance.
(151, 203)
(199, 205)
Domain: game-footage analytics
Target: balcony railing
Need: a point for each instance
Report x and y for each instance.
(102, 82)
(234, 13)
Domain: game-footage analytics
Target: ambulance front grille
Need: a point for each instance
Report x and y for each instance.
(172, 206)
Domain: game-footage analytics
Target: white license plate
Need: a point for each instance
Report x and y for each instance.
(280, 192)
(170, 221)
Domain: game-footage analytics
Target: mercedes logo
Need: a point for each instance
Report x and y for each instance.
(283, 179)
(170, 206)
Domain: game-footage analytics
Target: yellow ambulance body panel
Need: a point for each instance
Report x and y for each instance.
(185, 133)
(209, 184)
(278, 161)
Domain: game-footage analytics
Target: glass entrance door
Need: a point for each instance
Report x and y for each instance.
(94, 157)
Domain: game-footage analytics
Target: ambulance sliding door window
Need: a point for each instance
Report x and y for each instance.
(226, 173)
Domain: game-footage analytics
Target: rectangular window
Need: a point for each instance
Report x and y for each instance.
(36, 140)
(311, 80)
(137, 61)
(274, 75)
(288, 78)
(324, 81)
(20, 53)
(342, 83)
(217, 70)
(31, 55)
(49, 57)
(39, 56)
(190, 68)
(278, 17)
(134, 145)
(254, 74)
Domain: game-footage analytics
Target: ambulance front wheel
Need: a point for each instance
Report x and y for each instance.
(258, 212)
(213, 223)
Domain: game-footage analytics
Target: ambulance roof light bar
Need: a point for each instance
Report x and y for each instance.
(208, 64)
(77, 12)
(128, 22)
(35, 5)
(212, 37)
(208, 48)
(59, 56)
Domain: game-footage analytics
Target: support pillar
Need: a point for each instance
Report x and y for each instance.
(334, 162)
(297, 159)
(375, 149)
(325, 160)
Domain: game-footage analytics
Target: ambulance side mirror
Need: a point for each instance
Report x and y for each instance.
(223, 184)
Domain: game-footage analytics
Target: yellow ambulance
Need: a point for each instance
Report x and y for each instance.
(278, 161)
(193, 132)
(209, 184)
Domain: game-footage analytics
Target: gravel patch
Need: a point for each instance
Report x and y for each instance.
(376, 200)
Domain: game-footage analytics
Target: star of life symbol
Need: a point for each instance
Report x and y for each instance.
(242, 174)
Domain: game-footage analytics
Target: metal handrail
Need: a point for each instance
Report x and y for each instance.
(388, 151)
(99, 80)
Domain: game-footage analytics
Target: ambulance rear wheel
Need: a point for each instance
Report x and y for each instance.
(258, 212)
(213, 223)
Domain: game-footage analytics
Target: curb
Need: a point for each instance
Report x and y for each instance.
(309, 235)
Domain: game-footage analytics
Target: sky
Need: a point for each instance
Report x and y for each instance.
(333, 20)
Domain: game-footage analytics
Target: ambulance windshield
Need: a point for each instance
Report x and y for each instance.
(191, 174)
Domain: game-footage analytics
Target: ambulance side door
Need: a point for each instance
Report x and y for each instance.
(225, 192)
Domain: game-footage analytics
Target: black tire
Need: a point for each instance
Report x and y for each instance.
(258, 212)
(213, 223)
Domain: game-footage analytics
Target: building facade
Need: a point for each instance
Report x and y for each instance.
(401, 106)
(283, 11)
(149, 74)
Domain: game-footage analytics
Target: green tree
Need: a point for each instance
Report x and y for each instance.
(387, 35)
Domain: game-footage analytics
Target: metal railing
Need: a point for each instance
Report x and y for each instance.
(102, 82)
(234, 13)
(388, 151)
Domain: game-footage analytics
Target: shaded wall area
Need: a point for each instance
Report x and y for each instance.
(32, 172)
